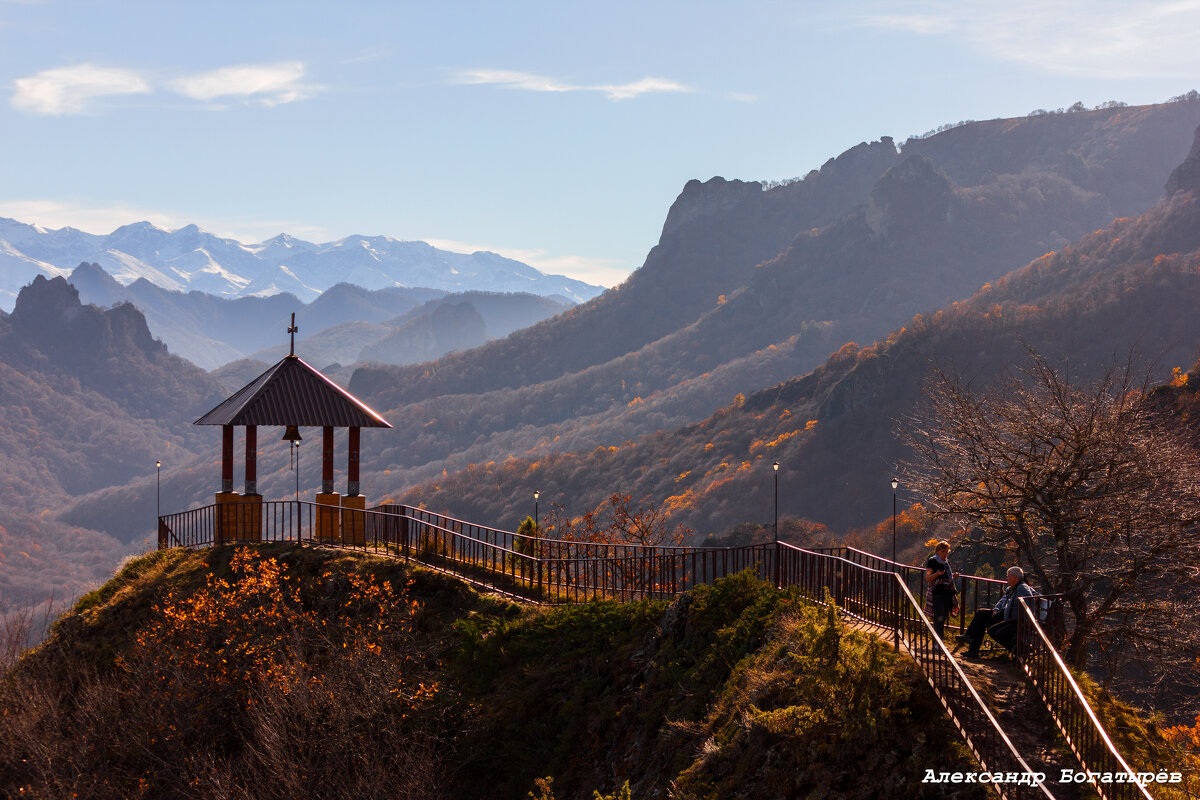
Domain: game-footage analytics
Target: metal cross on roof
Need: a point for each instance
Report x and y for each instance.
(292, 331)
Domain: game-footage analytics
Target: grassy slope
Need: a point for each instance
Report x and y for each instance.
(735, 690)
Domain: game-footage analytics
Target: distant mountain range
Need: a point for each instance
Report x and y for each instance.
(189, 259)
(344, 325)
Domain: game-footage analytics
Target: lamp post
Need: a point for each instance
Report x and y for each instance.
(895, 564)
(158, 489)
(536, 495)
(775, 466)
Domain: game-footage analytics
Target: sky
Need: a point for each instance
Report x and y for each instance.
(558, 133)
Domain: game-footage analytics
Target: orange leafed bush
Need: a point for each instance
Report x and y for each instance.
(255, 632)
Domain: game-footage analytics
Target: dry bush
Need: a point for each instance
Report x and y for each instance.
(265, 685)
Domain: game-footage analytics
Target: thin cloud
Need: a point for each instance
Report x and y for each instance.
(913, 23)
(1078, 38)
(67, 90)
(270, 84)
(371, 54)
(530, 82)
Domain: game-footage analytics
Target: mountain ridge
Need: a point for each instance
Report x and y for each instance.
(698, 263)
(190, 258)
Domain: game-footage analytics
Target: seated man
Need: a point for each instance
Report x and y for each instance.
(1001, 621)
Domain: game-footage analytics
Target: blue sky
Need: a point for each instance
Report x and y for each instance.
(554, 132)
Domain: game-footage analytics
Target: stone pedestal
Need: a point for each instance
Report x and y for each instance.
(354, 521)
(238, 517)
(329, 516)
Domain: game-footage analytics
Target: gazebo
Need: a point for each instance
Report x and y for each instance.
(292, 395)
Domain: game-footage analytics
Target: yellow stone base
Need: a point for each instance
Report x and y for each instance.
(354, 521)
(238, 517)
(329, 516)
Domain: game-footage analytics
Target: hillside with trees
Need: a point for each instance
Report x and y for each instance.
(1113, 160)
(1099, 499)
(651, 355)
(1127, 286)
(88, 400)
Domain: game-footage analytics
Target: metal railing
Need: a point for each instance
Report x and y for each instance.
(864, 586)
(975, 591)
(975, 722)
(1070, 710)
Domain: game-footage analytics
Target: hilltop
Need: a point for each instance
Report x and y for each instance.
(290, 671)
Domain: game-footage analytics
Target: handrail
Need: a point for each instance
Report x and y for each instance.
(978, 726)
(1072, 713)
(930, 652)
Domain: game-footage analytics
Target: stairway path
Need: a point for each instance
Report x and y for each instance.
(1018, 709)
(1002, 685)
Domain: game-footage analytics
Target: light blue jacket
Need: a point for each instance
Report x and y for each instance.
(1007, 605)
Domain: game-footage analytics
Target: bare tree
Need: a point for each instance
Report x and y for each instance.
(618, 520)
(1091, 486)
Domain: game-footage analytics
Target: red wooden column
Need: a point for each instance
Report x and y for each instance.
(227, 458)
(352, 482)
(251, 459)
(327, 460)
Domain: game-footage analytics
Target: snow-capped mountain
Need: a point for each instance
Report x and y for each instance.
(190, 259)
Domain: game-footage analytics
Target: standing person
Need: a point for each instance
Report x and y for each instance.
(941, 594)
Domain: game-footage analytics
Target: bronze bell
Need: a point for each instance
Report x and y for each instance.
(292, 434)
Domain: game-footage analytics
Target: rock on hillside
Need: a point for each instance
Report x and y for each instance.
(1186, 177)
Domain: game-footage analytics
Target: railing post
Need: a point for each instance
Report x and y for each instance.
(539, 566)
(405, 529)
(777, 551)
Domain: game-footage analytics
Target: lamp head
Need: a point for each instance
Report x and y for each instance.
(776, 466)
(158, 465)
(895, 484)
(536, 494)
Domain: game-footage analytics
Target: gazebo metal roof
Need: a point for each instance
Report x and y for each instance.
(294, 393)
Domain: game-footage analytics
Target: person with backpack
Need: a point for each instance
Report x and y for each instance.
(1000, 622)
(941, 595)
